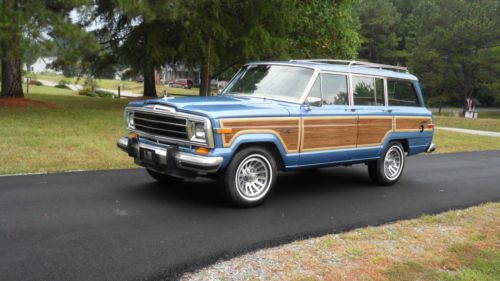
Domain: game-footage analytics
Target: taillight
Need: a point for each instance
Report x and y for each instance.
(430, 126)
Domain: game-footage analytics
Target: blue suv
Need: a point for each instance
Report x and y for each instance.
(273, 116)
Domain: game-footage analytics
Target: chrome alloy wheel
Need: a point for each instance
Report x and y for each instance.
(253, 177)
(393, 162)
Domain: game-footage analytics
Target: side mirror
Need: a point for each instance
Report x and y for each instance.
(314, 101)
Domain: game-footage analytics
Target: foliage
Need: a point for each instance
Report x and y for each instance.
(89, 86)
(97, 93)
(379, 21)
(219, 36)
(452, 49)
(142, 35)
(451, 45)
(64, 81)
(324, 29)
(35, 82)
(28, 26)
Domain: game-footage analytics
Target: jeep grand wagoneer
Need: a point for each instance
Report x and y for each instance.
(283, 116)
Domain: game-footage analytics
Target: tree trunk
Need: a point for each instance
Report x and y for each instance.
(11, 78)
(204, 79)
(205, 63)
(149, 81)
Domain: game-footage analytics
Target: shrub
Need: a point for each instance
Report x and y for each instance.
(35, 82)
(62, 86)
(89, 87)
(101, 94)
(105, 94)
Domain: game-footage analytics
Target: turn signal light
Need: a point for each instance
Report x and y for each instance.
(225, 131)
(202, 150)
(132, 136)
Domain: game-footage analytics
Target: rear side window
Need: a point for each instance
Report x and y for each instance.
(368, 90)
(402, 93)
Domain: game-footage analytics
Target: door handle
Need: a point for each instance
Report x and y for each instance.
(350, 109)
(387, 110)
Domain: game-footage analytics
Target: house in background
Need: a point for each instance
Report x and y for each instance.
(42, 65)
(171, 72)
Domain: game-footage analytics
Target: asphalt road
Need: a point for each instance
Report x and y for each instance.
(121, 225)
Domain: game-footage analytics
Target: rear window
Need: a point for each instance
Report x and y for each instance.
(402, 93)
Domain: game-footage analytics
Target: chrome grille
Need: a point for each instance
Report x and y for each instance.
(161, 125)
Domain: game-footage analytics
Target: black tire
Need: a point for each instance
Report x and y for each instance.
(377, 170)
(164, 179)
(238, 193)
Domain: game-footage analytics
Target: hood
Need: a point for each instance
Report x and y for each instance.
(223, 106)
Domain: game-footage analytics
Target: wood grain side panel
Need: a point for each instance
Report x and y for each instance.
(286, 129)
(328, 133)
(412, 123)
(373, 130)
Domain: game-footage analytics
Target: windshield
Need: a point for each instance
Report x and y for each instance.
(270, 81)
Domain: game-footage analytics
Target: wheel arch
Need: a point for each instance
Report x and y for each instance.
(267, 141)
(403, 142)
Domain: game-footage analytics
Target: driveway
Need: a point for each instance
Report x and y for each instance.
(121, 225)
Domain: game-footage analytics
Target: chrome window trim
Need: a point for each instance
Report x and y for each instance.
(189, 117)
(386, 93)
(309, 86)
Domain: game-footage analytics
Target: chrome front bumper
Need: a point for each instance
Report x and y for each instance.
(169, 157)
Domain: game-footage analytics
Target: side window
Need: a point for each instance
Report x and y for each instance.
(368, 90)
(402, 93)
(334, 87)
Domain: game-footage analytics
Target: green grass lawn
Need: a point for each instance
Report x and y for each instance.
(485, 124)
(130, 86)
(447, 141)
(80, 133)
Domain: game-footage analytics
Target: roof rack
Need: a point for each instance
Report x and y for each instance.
(354, 63)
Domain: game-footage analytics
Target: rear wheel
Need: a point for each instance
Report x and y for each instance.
(250, 177)
(388, 168)
(162, 178)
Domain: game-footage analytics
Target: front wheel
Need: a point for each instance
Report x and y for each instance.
(250, 177)
(388, 169)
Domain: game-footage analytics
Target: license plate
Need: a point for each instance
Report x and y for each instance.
(147, 155)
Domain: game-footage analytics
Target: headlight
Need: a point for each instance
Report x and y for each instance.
(196, 131)
(199, 131)
(129, 119)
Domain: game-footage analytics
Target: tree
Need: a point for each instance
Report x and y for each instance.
(225, 34)
(324, 29)
(143, 34)
(22, 22)
(455, 48)
(217, 36)
(379, 21)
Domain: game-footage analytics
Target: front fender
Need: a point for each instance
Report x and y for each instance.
(256, 138)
